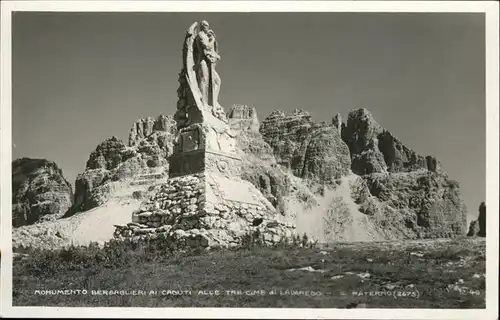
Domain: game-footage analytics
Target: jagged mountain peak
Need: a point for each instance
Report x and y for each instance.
(39, 191)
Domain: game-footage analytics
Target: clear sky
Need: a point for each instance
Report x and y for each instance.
(79, 78)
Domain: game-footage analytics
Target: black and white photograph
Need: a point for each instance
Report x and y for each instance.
(199, 157)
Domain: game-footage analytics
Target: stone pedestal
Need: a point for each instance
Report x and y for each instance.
(206, 210)
(205, 147)
(197, 161)
(205, 202)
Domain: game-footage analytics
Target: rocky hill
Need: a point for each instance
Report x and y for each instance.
(309, 150)
(352, 181)
(141, 161)
(401, 194)
(478, 227)
(374, 149)
(39, 191)
(112, 186)
(413, 185)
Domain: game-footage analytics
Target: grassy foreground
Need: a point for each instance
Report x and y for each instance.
(416, 274)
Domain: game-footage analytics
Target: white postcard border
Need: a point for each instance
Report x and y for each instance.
(490, 8)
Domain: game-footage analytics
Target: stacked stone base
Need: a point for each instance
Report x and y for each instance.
(206, 210)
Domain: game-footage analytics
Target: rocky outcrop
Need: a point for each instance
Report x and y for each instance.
(90, 190)
(374, 149)
(427, 202)
(39, 191)
(478, 227)
(402, 194)
(108, 154)
(258, 164)
(326, 158)
(150, 143)
(243, 117)
(272, 182)
(287, 136)
(144, 128)
(244, 123)
(337, 123)
(310, 150)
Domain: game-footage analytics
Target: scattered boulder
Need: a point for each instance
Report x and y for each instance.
(139, 195)
(39, 191)
(257, 221)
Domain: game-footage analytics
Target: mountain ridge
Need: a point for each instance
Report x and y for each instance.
(297, 164)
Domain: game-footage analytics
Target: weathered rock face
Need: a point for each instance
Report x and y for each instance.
(39, 191)
(150, 143)
(287, 136)
(243, 117)
(144, 128)
(402, 194)
(482, 220)
(258, 164)
(272, 182)
(473, 229)
(90, 190)
(428, 202)
(244, 123)
(310, 150)
(326, 158)
(107, 155)
(337, 123)
(374, 149)
(478, 227)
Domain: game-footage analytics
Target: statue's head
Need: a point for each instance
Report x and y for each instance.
(204, 26)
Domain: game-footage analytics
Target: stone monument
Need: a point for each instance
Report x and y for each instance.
(205, 202)
(205, 141)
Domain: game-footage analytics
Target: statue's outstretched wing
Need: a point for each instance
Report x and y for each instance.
(189, 64)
